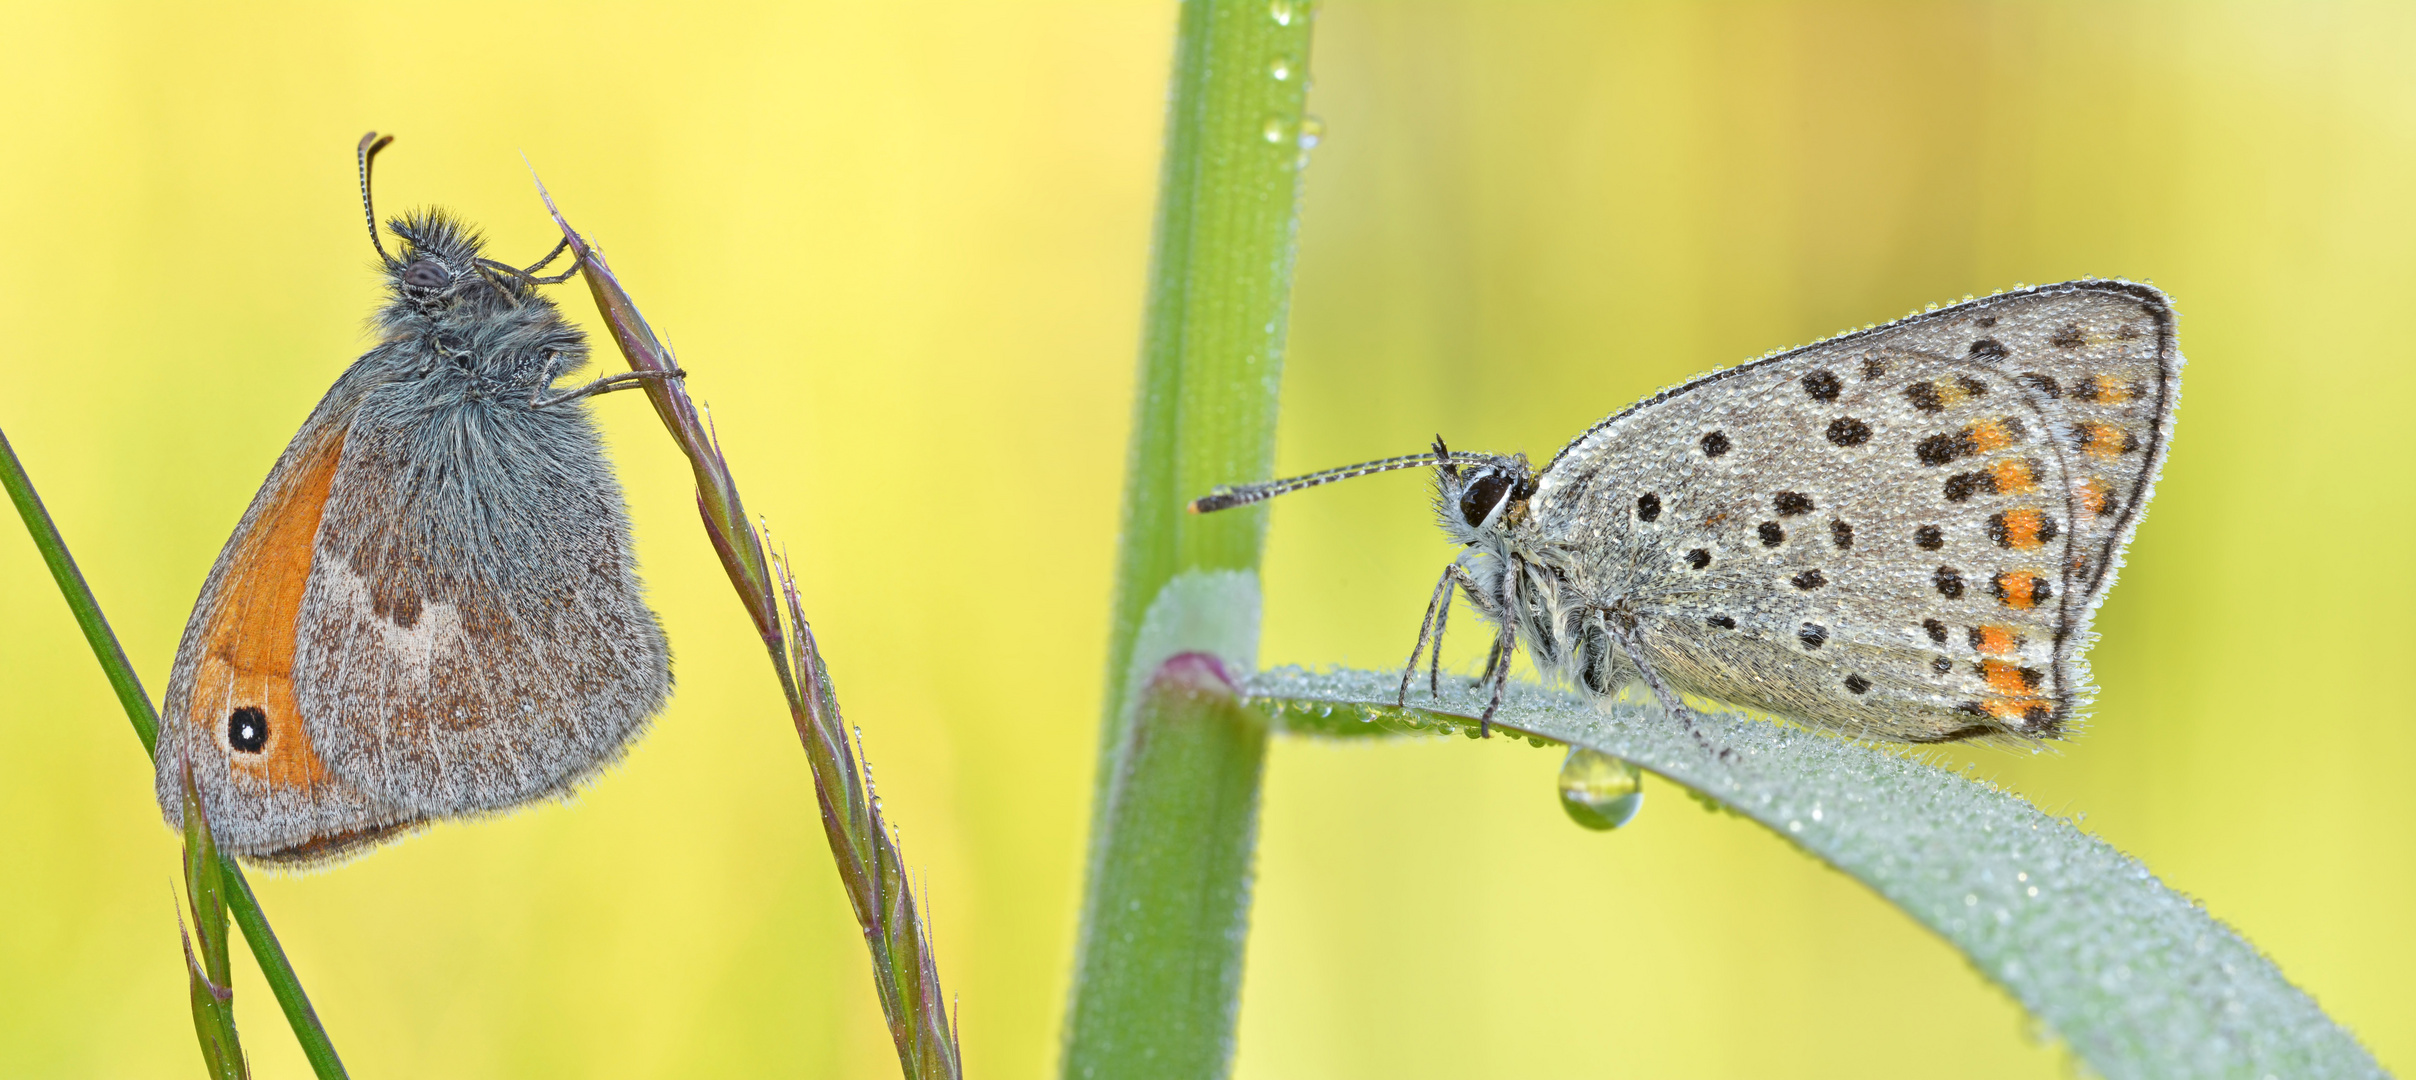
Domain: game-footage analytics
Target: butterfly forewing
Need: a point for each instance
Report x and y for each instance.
(1896, 533)
(231, 707)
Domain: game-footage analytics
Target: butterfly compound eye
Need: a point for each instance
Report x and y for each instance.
(247, 729)
(426, 275)
(1479, 497)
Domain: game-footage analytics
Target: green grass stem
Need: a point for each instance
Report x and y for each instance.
(1212, 351)
(208, 974)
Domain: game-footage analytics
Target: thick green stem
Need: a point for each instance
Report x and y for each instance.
(1204, 415)
(1161, 973)
(282, 982)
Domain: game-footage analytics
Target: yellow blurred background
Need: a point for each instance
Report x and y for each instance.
(902, 247)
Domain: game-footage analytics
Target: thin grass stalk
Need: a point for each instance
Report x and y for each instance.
(211, 983)
(871, 866)
(284, 985)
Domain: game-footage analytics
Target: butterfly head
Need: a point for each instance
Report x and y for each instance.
(452, 310)
(1480, 498)
(439, 266)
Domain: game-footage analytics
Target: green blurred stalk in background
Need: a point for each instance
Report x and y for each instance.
(1174, 814)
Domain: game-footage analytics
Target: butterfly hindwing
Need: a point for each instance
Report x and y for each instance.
(468, 644)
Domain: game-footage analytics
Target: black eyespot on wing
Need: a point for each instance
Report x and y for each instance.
(1942, 665)
(1935, 629)
(1823, 385)
(2043, 383)
(1714, 444)
(1847, 431)
(425, 274)
(1791, 503)
(1809, 580)
(1924, 396)
(1772, 535)
(1949, 582)
(1989, 350)
(1856, 684)
(1698, 558)
(1841, 534)
(1962, 486)
(1722, 621)
(2069, 337)
(247, 729)
(1873, 367)
(1813, 635)
(1648, 506)
(1929, 538)
(1939, 449)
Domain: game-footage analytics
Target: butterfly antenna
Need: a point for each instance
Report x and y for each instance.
(1226, 498)
(370, 145)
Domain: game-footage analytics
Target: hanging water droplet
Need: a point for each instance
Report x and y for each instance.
(1281, 12)
(1273, 129)
(1311, 130)
(1600, 791)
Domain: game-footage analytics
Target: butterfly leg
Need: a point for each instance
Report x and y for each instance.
(1500, 671)
(1434, 668)
(1622, 628)
(530, 271)
(605, 385)
(1438, 609)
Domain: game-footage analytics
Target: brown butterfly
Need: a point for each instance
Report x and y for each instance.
(431, 608)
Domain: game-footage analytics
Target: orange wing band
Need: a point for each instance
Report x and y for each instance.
(247, 657)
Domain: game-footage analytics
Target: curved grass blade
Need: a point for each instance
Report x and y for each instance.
(2138, 979)
(871, 866)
